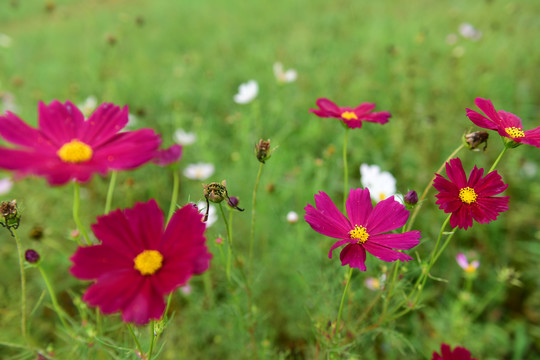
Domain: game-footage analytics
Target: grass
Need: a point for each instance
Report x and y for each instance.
(178, 64)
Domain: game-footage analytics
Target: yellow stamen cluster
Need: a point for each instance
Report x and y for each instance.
(359, 233)
(347, 115)
(467, 195)
(470, 268)
(514, 132)
(75, 152)
(148, 262)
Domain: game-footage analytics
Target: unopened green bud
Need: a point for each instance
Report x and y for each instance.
(262, 150)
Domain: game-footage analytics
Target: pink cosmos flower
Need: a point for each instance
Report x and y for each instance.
(353, 118)
(505, 123)
(168, 156)
(139, 262)
(470, 199)
(463, 262)
(66, 146)
(365, 229)
(458, 353)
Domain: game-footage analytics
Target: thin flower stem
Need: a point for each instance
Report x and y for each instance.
(252, 231)
(174, 196)
(110, 192)
(345, 169)
(152, 340)
(343, 300)
(76, 207)
(141, 352)
(424, 194)
(50, 289)
(229, 250)
(23, 284)
(498, 159)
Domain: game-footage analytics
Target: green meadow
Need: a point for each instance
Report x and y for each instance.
(178, 64)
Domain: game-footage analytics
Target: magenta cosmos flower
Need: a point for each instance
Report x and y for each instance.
(505, 123)
(353, 118)
(66, 146)
(470, 199)
(447, 353)
(365, 229)
(139, 262)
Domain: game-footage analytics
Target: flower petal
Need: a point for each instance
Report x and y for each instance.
(60, 123)
(91, 262)
(388, 215)
(326, 219)
(401, 241)
(146, 223)
(353, 255)
(481, 120)
(487, 107)
(16, 131)
(455, 172)
(104, 123)
(327, 108)
(384, 253)
(509, 120)
(359, 206)
(147, 304)
(338, 244)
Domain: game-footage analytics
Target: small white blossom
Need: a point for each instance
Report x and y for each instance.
(246, 92)
(184, 138)
(292, 217)
(5, 185)
(88, 106)
(199, 171)
(284, 76)
(212, 213)
(469, 32)
(381, 185)
(132, 121)
(8, 103)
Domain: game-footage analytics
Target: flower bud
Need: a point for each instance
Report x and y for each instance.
(411, 198)
(474, 139)
(32, 256)
(9, 214)
(262, 150)
(233, 202)
(215, 192)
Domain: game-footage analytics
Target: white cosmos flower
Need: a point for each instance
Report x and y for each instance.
(292, 217)
(5, 41)
(247, 92)
(8, 103)
(88, 106)
(184, 138)
(284, 76)
(469, 32)
(199, 171)
(381, 185)
(212, 213)
(5, 185)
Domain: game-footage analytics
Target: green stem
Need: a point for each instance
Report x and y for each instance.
(76, 207)
(50, 289)
(141, 352)
(343, 300)
(498, 159)
(174, 196)
(345, 169)
(424, 194)
(229, 248)
(252, 231)
(110, 192)
(152, 340)
(23, 284)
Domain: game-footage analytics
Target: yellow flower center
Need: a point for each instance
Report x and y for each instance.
(359, 233)
(347, 115)
(470, 268)
(148, 262)
(514, 132)
(75, 152)
(467, 195)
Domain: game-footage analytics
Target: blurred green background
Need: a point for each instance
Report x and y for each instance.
(178, 64)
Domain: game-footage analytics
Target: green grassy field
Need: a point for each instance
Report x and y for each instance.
(178, 64)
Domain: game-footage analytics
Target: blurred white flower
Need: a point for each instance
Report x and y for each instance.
(199, 171)
(8, 102)
(284, 76)
(375, 284)
(292, 217)
(463, 263)
(469, 32)
(88, 106)
(184, 138)
(529, 169)
(132, 121)
(212, 213)
(186, 289)
(381, 185)
(5, 41)
(5, 185)
(247, 92)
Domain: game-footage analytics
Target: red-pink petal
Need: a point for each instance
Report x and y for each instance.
(487, 107)
(401, 241)
(455, 172)
(104, 123)
(358, 206)
(481, 120)
(147, 304)
(326, 218)
(91, 262)
(60, 123)
(388, 215)
(385, 253)
(353, 255)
